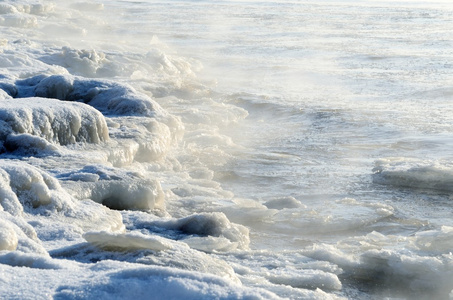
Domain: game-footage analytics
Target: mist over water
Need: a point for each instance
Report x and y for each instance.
(239, 149)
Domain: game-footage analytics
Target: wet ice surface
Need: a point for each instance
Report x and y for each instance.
(259, 150)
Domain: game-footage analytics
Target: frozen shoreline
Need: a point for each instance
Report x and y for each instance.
(124, 174)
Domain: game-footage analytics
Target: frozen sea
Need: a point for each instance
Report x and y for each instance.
(235, 149)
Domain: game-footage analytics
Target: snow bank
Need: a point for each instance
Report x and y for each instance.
(114, 188)
(55, 121)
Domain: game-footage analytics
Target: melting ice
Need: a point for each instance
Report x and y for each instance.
(226, 150)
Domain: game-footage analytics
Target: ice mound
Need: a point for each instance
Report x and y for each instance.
(126, 241)
(210, 232)
(411, 173)
(28, 187)
(50, 119)
(114, 188)
(108, 97)
(283, 202)
(139, 139)
(26, 190)
(418, 274)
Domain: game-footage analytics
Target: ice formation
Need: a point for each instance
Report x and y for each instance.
(55, 121)
(114, 188)
(127, 171)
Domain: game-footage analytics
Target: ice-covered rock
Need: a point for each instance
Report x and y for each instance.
(57, 122)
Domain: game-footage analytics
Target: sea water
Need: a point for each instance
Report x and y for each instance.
(226, 149)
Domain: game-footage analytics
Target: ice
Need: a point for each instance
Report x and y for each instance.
(410, 270)
(29, 260)
(282, 203)
(129, 171)
(29, 145)
(414, 173)
(126, 241)
(308, 279)
(31, 194)
(115, 188)
(8, 236)
(109, 97)
(209, 232)
(435, 241)
(53, 120)
(156, 282)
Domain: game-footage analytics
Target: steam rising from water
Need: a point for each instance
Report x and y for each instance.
(226, 150)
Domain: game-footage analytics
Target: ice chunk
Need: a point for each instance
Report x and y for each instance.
(437, 241)
(53, 120)
(115, 188)
(32, 187)
(283, 202)
(126, 241)
(210, 231)
(306, 279)
(412, 173)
